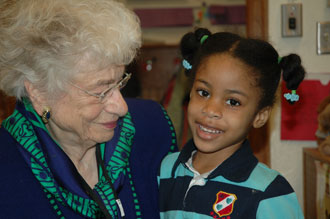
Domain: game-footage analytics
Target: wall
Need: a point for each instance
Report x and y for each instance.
(172, 35)
(286, 156)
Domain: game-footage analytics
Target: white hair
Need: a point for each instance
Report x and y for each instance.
(45, 42)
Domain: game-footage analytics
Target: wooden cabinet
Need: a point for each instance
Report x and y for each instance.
(152, 71)
(316, 191)
(7, 105)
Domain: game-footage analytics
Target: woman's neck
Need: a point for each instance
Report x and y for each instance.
(85, 163)
(81, 153)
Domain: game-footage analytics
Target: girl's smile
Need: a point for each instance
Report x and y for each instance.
(207, 133)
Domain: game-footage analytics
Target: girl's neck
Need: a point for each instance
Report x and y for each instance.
(205, 162)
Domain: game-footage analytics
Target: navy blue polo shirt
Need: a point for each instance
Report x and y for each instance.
(240, 187)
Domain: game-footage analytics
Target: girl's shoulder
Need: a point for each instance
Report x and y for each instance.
(266, 179)
(168, 164)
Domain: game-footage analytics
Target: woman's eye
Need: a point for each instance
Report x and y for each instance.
(99, 93)
(102, 90)
(203, 93)
(233, 102)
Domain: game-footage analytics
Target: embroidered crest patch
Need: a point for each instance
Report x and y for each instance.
(224, 204)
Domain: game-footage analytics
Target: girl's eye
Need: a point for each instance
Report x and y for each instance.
(233, 102)
(203, 93)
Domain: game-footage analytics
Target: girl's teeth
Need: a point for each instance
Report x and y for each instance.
(209, 130)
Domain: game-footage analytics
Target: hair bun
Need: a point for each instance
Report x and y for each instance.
(293, 71)
(190, 44)
(200, 32)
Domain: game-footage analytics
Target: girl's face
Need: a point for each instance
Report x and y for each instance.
(223, 105)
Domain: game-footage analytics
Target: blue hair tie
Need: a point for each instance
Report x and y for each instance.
(186, 64)
(292, 97)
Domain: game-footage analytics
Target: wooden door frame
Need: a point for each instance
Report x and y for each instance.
(257, 27)
(257, 19)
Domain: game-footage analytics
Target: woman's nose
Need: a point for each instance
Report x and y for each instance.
(116, 104)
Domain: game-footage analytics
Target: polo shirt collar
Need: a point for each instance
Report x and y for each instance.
(237, 167)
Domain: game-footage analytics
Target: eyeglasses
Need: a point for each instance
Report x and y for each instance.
(109, 91)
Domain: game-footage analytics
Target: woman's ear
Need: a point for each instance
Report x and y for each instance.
(262, 117)
(35, 96)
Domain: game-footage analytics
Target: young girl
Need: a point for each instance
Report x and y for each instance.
(216, 174)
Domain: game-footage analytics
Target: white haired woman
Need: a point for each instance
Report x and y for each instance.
(74, 147)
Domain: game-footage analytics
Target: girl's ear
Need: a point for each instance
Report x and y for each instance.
(262, 117)
(36, 97)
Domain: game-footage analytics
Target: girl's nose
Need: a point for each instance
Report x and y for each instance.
(212, 110)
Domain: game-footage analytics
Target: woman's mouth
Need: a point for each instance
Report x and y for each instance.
(110, 125)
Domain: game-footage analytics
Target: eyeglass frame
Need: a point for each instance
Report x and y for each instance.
(120, 84)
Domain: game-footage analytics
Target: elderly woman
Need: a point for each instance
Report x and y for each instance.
(74, 147)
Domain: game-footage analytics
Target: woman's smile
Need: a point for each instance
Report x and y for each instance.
(110, 125)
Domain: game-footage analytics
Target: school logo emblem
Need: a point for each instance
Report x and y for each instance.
(224, 204)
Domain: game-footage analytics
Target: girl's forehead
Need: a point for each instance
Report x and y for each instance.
(224, 67)
(223, 61)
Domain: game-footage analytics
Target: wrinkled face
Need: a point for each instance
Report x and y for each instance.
(79, 117)
(223, 104)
